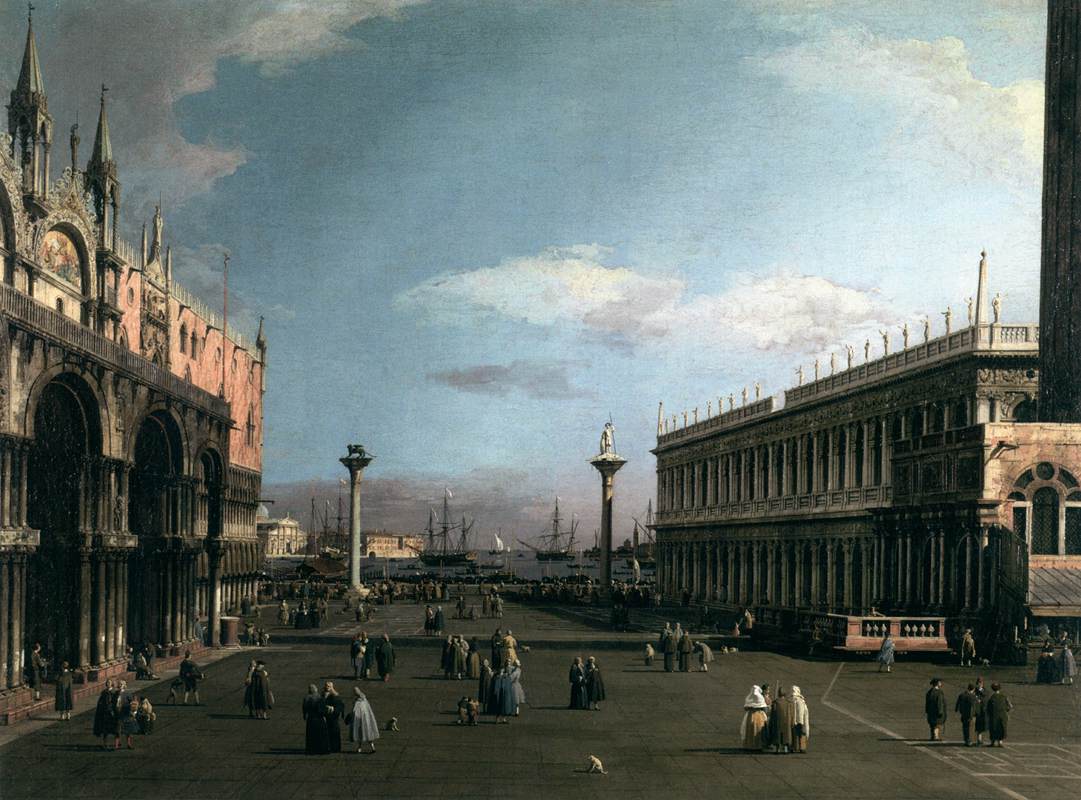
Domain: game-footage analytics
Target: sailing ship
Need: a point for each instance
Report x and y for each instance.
(558, 544)
(595, 551)
(643, 546)
(447, 543)
(498, 548)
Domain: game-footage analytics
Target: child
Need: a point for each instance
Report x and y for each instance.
(649, 654)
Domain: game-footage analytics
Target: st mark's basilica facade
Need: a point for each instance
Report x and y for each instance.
(130, 418)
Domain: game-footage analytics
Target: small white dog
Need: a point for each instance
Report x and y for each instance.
(595, 765)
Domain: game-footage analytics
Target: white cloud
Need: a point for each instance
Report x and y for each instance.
(153, 55)
(571, 289)
(942, 110)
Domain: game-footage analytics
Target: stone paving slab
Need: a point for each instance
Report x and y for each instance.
(671, 735)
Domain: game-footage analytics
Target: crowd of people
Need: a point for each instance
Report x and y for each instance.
(122, 714)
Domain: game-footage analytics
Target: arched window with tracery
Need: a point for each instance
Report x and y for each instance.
(1046, 510)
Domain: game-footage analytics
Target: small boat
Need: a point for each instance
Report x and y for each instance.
(498, 547)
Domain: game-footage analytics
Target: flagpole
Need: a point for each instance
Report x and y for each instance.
(224, 320)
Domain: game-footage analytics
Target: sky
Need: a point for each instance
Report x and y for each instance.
(479, 230)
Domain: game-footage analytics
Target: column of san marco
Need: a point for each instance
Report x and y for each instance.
(357, 459)
(607, 463)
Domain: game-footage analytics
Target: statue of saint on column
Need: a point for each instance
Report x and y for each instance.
(608, 439)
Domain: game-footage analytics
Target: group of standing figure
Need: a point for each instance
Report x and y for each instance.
(980, 712)
(499, 693)
(121, 713)
(324, 713)
(781, 723)
(366, 654)
(1052, 667)
(677, 646)
(587, 685)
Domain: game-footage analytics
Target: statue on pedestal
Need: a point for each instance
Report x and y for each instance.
(709, 409)
(744, 395)
(948, 314)
(695, 412)
(608, 439)
(885, 342)
(996, 306)
(926, 330)
(833, 363)
(970, 302)
(731, 402)
(757, 390)
(799, 375)
(850, 351)
(816, 369)
(867, 351)
(904, 335)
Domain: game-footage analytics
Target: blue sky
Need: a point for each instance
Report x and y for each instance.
(479, 228)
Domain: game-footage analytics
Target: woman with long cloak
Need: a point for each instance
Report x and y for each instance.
(801, 721)
(516, 685)
(1046, 668)
(981, 710)
(333, 711)
(315, 729)
(504, 696)
(885, 654)
(363, 727)
(385, 659)
(594, 684)
(486, 687)
(579, 697)
(439, 620)
(1067, 665)
(751, 730)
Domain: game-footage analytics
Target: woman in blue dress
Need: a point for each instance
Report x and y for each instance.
(885, 654)
(506, 701)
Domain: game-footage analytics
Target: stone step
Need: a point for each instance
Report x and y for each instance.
(19, 704)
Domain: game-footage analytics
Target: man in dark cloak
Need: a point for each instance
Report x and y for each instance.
(579, 697)
(497, 646)
(385, 658)
(779, 733)
(262, 699)
(63, 700)
(966, 707)
(315, 729)
(105, 714)
(668, 646)
(934, 706)
(371, 648)
(484, 686)
(333, 711)
(686, 647)
(190, 675)
(998, 708)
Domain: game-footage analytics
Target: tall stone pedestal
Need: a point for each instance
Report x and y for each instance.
(355, 462)
(607, 464)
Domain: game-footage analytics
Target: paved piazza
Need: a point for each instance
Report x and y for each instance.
(659, 735)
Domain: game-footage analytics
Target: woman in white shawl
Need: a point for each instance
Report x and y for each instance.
(755, 718)
(801, 721)
(362, 725)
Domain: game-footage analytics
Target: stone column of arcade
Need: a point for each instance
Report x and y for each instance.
(355, 462)
(607, 463)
